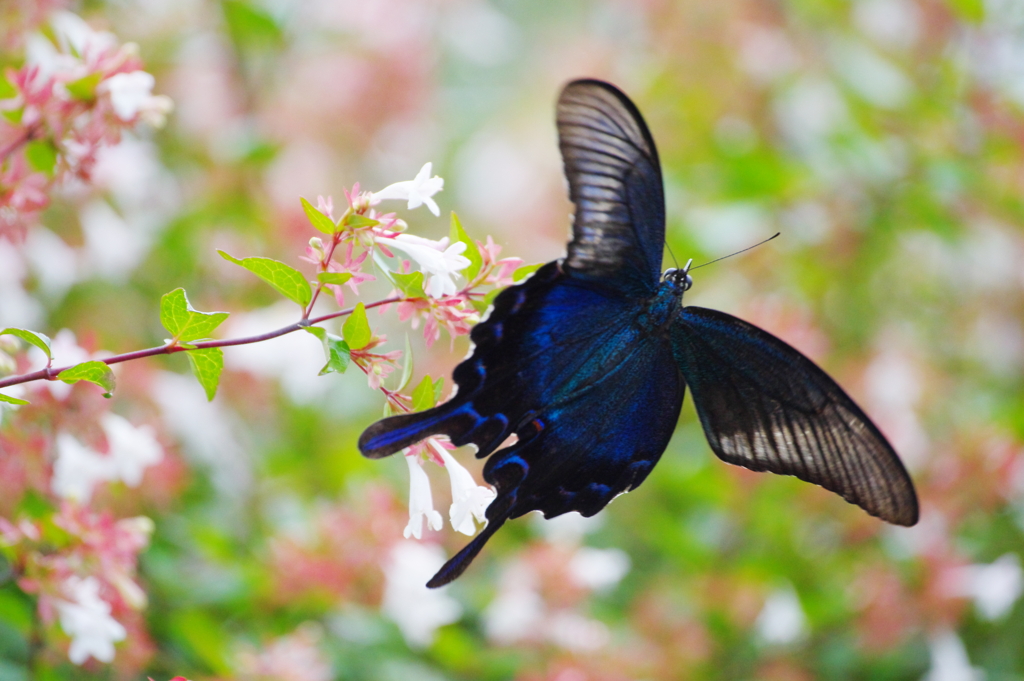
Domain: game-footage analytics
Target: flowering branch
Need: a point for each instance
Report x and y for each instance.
(50, 374)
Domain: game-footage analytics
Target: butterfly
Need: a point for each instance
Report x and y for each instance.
(587, 361)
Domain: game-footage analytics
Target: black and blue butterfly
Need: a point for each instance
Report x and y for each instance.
(587, 362)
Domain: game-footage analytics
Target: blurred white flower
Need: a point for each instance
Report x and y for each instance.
(417, 610)
(85, 617)
(416, 191)
(436, 258)
(575, 632)
(131, 95)
(994, 587)
(421, 502)
(78, 469)
(949, 660)
(469, 500)
(598, 569)
(132, 449)
(518, 611)
(782, 619)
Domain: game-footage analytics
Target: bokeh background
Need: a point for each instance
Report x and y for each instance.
(883, 138)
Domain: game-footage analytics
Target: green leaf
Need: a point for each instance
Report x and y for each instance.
(411, 285)
(524, 271)
(93, 372)
(7, 89)
(423, 395)
(12, 400)
(335, 349)
(185, 322)
(42, 156)
(481, 304)
(13, 116)
(84, 89)
(34, 337)
(251, 27)
(356, 329)
(318, 219)
(355, 220)
(288, 281)
(457, 233)
(406, 366)
(333, 277)
(972, 11)
(207, 364)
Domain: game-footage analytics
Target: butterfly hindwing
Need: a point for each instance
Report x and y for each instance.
(615, 182)
(766, 407)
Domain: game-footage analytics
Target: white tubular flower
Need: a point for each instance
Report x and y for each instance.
(421, 503)
(416, 191)
(436, 258)
(85, 617)
(132, 449)
(78, 469)
(131, 94)
(469, 500)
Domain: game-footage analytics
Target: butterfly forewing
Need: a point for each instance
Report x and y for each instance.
(766, 407)
(615, 182)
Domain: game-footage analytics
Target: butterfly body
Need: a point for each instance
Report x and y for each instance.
(587, 362)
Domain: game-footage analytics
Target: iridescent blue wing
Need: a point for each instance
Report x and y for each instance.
(766, 407)
(615, 181)
(591, 398)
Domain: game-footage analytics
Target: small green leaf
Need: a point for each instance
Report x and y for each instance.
(12, 400)
(333, 277)
(406, 366)
(185, 322)
(84, 89)
(481, 304)
(42, 156)
(972, 11)
(34, 337)
(423, 395)
(13, 116)
(251, 27)
(411, 285)
(457, 233)
(318, 219)
(356, 329)
(355, 221)
(93, 372)
(207, 364)
(7, 89)
(524, 271)
(335, 349)
(288, 281)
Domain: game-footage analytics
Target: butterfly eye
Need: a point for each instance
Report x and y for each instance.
(687, 283)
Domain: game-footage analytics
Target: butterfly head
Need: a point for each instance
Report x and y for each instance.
(679, 277)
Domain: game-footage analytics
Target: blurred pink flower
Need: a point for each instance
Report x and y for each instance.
(295, 657)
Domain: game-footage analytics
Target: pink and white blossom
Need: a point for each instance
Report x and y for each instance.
(441, 261)
(421, 501)
(85, 617)
(469, 500)
(416, 191)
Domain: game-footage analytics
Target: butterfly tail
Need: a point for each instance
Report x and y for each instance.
(459, 421)
(498, 512)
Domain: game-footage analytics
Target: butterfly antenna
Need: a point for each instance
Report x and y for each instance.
(674, 260)
(760, 243)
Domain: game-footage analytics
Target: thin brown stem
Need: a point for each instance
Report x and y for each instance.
(50, 373)
(19, 142)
